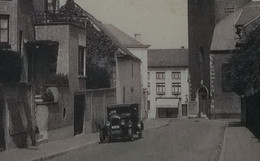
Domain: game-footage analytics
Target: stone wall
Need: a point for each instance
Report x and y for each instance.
(224, 103)
(18, 115)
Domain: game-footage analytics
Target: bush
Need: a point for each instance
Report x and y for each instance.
(58, 79)
(10, 66)
(48, 96)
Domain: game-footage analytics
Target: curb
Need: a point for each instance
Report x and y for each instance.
(223, 146)
(47, 157)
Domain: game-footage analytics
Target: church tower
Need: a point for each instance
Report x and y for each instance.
(202, 17)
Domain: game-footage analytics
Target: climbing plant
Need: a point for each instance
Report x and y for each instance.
(244, 66)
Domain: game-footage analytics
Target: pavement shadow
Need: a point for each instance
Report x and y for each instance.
(255, 133)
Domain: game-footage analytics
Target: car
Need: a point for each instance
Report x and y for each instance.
(122, 122)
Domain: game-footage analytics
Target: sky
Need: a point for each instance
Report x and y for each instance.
(163, 24)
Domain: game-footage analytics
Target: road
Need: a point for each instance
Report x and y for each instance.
(181, 140)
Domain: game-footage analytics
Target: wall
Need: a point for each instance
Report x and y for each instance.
(58, 33)
(69, 41)
(141, 53)
(128, 76)
(223, 104)
(18, 121)
(168, 87)
(95, 113)
(77, 37)
(55, 120)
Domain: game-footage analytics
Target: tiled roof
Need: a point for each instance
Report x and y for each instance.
(224, 36)
(250, 12)
(125, 39)
(168, 58)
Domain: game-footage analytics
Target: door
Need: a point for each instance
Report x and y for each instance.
(79, 109)
(203, 99)
(184, 110)
(2, 134)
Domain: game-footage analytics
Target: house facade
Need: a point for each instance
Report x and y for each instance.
(168, 83)
(139, 50)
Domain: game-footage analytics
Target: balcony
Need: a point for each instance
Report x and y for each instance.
(50, 17)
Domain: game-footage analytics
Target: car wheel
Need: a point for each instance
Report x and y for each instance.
(107, 139)
(140, 135)
(101, 136)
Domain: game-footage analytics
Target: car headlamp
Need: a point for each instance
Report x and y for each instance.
(123, 122)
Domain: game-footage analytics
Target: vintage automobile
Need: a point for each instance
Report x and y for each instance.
(123, 122)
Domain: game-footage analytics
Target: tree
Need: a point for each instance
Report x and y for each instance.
(244, 65)
(10, 66)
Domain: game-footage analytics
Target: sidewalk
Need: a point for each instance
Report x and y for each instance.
(49, 150)
(239, 144)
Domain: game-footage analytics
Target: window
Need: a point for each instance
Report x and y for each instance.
(4, 29)
(52, 5)
(176, 88)
(176, 75)
(148, 105)
(82, 69)
(160, 88)
(148, 88)
(160, 75)
(148, 75)
(226, 87)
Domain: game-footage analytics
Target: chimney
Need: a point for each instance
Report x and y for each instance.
(138, 37)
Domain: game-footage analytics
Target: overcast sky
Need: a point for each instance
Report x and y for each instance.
(163, 24)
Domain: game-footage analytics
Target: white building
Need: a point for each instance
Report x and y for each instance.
(168, 83)
(137, 49)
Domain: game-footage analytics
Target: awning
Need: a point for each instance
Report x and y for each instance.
(167, 103)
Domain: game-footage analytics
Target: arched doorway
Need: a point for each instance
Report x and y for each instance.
(203, 101)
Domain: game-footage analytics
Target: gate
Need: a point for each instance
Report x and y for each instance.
(2, 134)
(79, 109)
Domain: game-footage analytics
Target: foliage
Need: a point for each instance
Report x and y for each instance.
(99, 78)
(48, 96)
(58, 79)
(244, 65)
(10, 66)
(100, 48)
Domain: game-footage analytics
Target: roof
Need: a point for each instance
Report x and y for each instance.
(225, 33)
(72, 7)
(250, 12)
(123, 38)
(168, 58)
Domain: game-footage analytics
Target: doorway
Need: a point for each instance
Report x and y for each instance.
(203, 102)
(79, 110)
